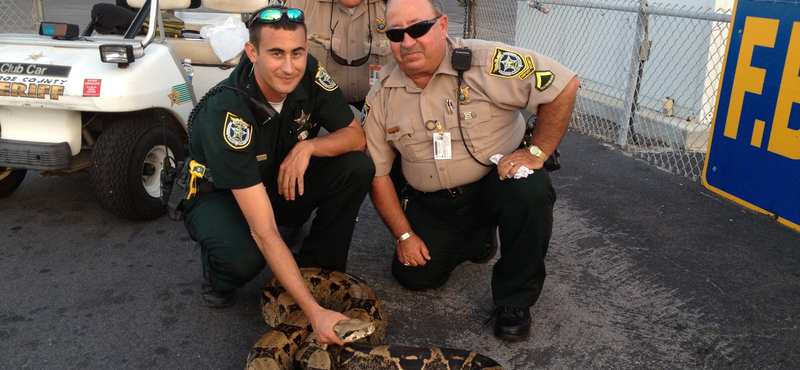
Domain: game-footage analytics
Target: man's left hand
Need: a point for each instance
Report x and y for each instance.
(292, 170)
(508, 165)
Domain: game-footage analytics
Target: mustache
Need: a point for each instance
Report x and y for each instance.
(404, 51)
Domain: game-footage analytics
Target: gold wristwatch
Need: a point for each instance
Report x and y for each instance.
(536, 152)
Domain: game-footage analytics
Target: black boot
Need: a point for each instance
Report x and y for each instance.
(513, 324)
(212, 298)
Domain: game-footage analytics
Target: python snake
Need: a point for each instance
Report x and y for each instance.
(291, 344)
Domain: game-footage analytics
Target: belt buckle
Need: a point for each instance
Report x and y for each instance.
(452, 192)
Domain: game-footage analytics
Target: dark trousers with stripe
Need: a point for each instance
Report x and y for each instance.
(454, 229)
(334, 186)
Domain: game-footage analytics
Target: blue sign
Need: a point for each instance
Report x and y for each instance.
(754, 151)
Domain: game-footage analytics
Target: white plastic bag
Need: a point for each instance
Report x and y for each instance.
(227, 38)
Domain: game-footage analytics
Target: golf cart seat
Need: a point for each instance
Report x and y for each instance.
(235, 6)
(168, 4)
(199, 51)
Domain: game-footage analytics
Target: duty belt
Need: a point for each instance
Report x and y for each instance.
(453, 192)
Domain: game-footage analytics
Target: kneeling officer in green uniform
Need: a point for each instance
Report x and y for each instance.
(256, 135)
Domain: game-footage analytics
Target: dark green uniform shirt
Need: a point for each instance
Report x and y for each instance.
(228, 135)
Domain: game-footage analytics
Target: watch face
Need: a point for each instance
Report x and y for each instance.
(537, 152)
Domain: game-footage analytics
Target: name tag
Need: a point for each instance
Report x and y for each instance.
(441, 146)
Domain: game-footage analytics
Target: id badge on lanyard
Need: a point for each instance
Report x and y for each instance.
(441, 143)
(373, 74)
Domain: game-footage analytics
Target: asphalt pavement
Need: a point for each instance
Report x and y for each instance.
(646, 270)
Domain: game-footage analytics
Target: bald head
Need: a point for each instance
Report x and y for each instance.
(435, 4)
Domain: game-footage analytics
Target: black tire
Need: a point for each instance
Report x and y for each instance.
(10, 180)
(126, 167)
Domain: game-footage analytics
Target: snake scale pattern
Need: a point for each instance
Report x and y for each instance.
(291, 343)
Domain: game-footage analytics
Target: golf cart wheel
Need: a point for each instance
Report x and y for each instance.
(10, 180)
(126, 167)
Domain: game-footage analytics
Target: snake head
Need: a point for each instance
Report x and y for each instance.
(351, 330)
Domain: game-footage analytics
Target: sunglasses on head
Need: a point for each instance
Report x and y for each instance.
(272, 15)
(415, 30)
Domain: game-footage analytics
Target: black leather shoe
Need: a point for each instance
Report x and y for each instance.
(214, 299)
(491, 247)
(513, 324)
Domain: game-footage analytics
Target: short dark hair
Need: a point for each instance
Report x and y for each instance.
(283, 24)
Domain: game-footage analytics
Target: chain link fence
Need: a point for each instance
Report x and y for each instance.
(649, 72)
(20, 16)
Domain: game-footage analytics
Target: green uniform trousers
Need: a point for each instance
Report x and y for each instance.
(334, 186)
(454, 229)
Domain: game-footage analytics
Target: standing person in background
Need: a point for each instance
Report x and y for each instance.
(349, 38)
(446, 108)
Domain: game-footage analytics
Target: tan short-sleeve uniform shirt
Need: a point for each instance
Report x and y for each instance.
(350, 40)
(502, 80)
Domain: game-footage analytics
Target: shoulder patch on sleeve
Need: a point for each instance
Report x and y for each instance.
(544, 79)
(509, 64)
(237, 132)
(324, 80)
(365, 113)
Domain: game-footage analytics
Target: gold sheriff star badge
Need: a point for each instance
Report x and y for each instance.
(173, 97)
(303, 120)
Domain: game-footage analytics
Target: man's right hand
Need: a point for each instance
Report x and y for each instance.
(413, 252)
(323, 322)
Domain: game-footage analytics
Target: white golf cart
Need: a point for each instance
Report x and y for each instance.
(116, 105)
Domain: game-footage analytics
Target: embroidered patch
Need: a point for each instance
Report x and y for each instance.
(276, 2)
(528, 62)
(237, 131)
(544, 79)
(324, 80)
(365, 113)
(508, 64)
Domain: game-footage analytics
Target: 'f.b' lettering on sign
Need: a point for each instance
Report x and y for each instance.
(784, 139)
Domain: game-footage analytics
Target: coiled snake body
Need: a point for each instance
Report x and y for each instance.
(290, 344)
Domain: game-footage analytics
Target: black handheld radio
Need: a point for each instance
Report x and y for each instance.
(462, 59)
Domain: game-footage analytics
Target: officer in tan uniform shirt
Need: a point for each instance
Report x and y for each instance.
(348, 37)
(458, 193)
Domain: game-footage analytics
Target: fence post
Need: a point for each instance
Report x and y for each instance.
(470, 17)
(39, 12)
(641, 51)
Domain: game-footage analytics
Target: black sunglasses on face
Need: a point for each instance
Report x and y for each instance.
(415, 30)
